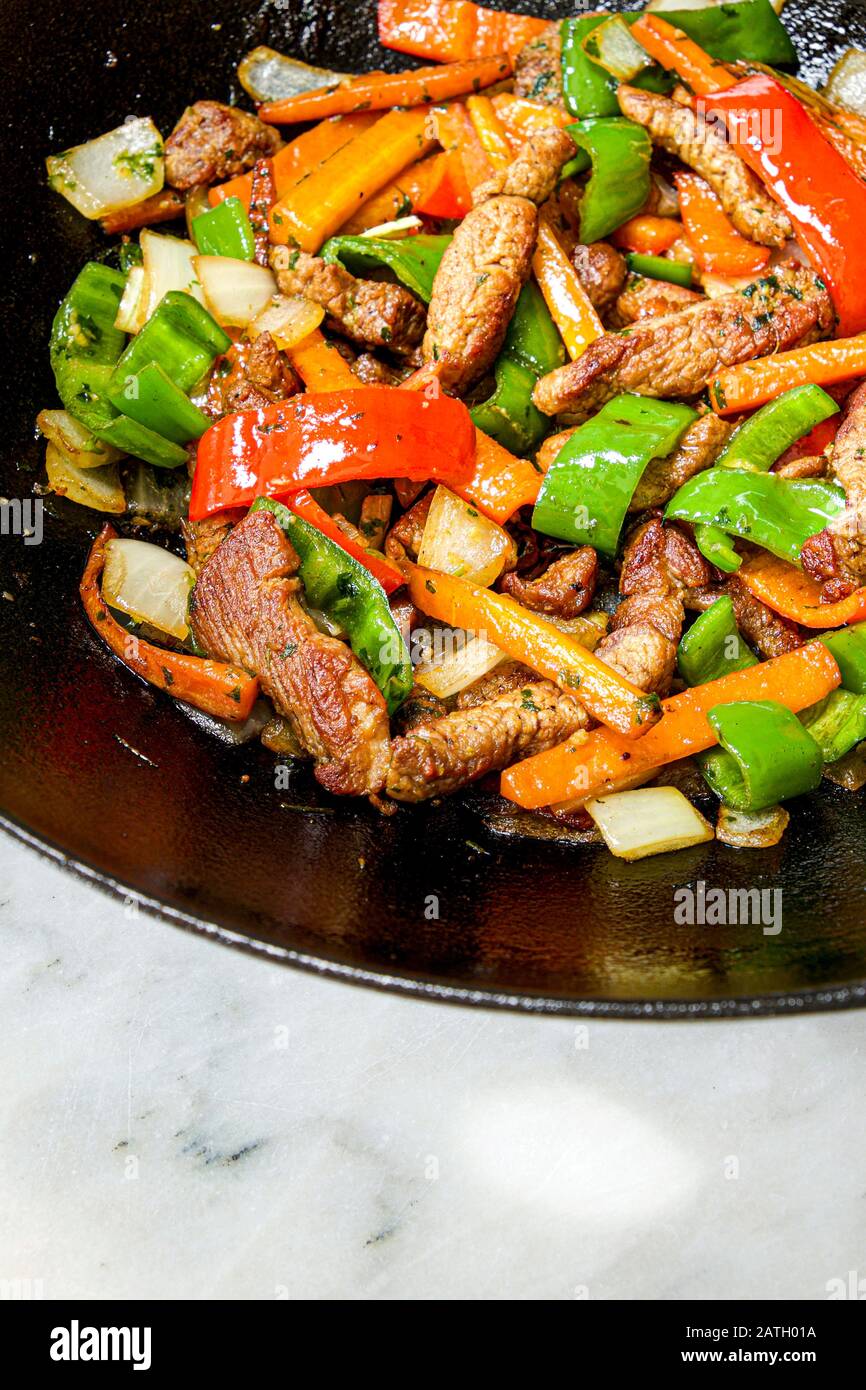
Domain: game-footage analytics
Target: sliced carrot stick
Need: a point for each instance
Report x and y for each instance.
(566, 298)
(320, 366)
(752, 383)
(449, 30)
(490, 131)
(717, 245)
(606, 760)
(293, 162)
(674, 49)
(647, 234)
(161, 207)
(381, 91)
(522, 116)
(531, 639)
(404, 195)
(226, 692)
(317, 206)
(787, 590)
(304, 505)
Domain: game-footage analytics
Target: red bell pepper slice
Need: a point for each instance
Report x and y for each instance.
(825, 200)
(331, 437)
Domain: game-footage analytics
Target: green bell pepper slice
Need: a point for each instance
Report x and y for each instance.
(414, 260)
(779, 514)
(225, 231)
(586, 492)
(740, 30)
(660, 268)
(766, 755)
(532, 348)
(151, 398)
(717, 547)
(619, 183)
(341, 587)
(713, 647)
(181, 336)
(83, 329)
(837, 723)
(765, 436)
(588, 89)
(848, 646)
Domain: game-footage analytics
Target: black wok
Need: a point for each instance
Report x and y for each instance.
(102, 772)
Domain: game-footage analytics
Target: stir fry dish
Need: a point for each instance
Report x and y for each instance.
(504, 415)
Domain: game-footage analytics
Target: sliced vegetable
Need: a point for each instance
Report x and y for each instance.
(648, 235)
(837, 723)
(736, 30)
(235, 291)
(123, 167)
(347, 592)
(532, 348)
(290, 319)
(612, 46)
(846, 85)
(849, 649)
(381, 91)
(671, 46)
(653, 820)
(848, 772)
(148, 583)
(225, 231)
(320, 365)
(227, 692)
(98, 488)
(716, 546)
(713, 647)
(787, 590)
(413, 260)
(766, 755)
(523, 117)
(661, 268)
(77, 444)
(752, 383)
(751, 829)
(619, 183)
(164, 206)
(450, 30)
(267, 75)
(457, 659)
(458, 540)
(316, 207)
(759, 441)
(587, 490)
(527, 637)
(499, 484)
(133, 307)
(588, 89)
(181, 337)
(569, 304)
(448, 193)
(151, 397)
(304, 505)
(297, 159)
(716, 243)
(575, 771)
(779, 514)
(490, 130)
(168, 263)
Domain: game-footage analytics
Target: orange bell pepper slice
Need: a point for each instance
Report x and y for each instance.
(787, 590)
(674, 49)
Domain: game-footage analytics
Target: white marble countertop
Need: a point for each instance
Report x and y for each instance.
(181, 1120)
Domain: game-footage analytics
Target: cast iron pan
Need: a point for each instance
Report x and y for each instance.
(103, 773)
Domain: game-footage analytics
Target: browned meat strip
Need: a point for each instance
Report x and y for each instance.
(837, 555)
(538, 69)
(677, 354)
(535, 171)
(246, 608)
(404, 538)
(202, 538)
(369, 311)
(438, 758)
(683, 133)
(212, 142)
(374, 372)
(661, 565)
(565, 588)
(647, 299)
(700, 446)
(766, 631)
(508, 675)
(602, 271)
(807, 466)
(420, 707)
(484, 268)
(255, 375)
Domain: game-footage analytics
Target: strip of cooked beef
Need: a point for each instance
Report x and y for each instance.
(699, 447)
(246, 607)
(602, 271)
(675, 355)
(806, 466)
(212, 142)
(507, 676)
(768, 632)
(374, 372)
(202, 538)
(538, 68)
(404, 538)
(481, 274)
(646, 299)
(682, 132)
(419, 708)
(565, 588)
(837, 555)
(255, 375)
(368, 311)
(534, 173)
(661, 566)
(440, 757)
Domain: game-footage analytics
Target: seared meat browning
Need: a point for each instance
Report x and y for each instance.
(202, 538)
(538, 70)
(675, 355)
(440, 757)
(768, 632)
(647, 299)
(256, 374)
(404, 538)
(602, 271)
(838, 554)
(369, 311)
(535, 171)
(806, 466)
(212, 142)
(477, 284)
(507, 676)
(683, 133)
(420, 707)
(245, 607)
(565, 588)
(699, 447)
